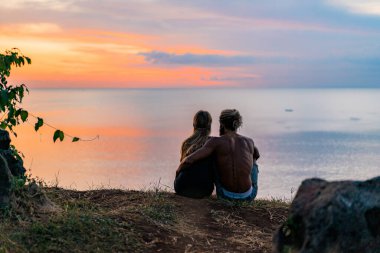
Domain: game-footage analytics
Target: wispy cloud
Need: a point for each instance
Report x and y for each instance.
(157, 57)
(56, 5)
(368, 7)
(31, 28)
(233, 78)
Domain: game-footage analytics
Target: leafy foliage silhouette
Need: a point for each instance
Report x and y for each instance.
(11, 97)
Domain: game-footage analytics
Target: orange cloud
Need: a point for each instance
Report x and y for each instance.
(88, 58)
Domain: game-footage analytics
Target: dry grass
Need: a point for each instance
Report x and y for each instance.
(136, 221)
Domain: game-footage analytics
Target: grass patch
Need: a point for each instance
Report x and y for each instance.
(259, 203)
(158, 208)
(80, 232)
(74, 232)
(79, 226)
(162, 213)
(271, 203)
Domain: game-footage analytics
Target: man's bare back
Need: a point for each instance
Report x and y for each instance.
(234, 160)
(234, 155)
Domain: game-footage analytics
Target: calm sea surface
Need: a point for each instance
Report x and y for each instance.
(332, 134)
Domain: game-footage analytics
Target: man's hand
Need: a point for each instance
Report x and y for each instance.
(201, 153)
(256, 154)
(184, 163)
(178, 170)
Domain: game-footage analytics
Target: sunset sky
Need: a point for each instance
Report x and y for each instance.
(207, 43)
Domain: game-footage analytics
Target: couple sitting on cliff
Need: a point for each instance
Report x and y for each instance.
(228, 161)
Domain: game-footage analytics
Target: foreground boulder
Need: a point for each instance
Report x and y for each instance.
(332, 217)
(15, 165)
(5, 183)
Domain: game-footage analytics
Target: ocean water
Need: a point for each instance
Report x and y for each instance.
(301, 133)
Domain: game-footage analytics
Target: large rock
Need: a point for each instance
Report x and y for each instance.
(5, 183)
(332, 217)
(15, 166)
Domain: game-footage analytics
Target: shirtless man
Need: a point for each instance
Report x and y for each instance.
(235, 157)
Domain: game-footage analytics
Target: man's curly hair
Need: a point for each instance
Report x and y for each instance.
(231, 119)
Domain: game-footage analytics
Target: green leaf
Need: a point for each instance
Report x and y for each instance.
(18, 112)
(21, 93)
(4, 97)
(3, 125)
(11, 94)
(39, 123)
(12, 121)
(20, 182)
(11, 112)
(24, 115)
(75, 139)
(58, 134)
(61, 136)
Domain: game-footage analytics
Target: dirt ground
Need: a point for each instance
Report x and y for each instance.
(143, 221)
(178, 224)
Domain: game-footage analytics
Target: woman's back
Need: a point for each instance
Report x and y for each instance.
(197, 180)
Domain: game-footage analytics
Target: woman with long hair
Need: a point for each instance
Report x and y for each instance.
(196, 181)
